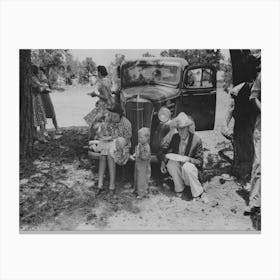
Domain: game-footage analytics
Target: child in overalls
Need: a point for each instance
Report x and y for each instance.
(142, 156)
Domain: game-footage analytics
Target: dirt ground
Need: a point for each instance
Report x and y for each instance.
(57, 193)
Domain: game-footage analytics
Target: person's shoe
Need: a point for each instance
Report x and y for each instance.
(142, 196)
(55, 137)
(255, 210)
(43, 140)
(58, 132)
(100, 191)
(127, 186)
(179, 194)
(45, 134)
(112, 192)
(153, 190)
(247, 187)
(202, 197)
(247, 211)
(250, 211)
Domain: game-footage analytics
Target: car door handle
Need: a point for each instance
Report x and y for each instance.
(213, 91)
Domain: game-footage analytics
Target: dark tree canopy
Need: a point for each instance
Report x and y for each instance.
(197, 56)
(47, 58)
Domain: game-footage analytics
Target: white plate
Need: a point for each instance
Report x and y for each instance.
(176, 157)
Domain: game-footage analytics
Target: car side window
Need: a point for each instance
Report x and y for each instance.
(199, 78)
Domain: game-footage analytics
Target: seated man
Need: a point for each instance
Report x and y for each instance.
(188, 145)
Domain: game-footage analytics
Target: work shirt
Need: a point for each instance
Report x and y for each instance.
(182, 146)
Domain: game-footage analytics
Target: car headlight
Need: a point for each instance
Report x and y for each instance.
(164, 114)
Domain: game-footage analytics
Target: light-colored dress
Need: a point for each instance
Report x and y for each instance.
(103, 88)
(255, 193)
(142, 171)
(120, 155)
(46, 98)
(115, 130)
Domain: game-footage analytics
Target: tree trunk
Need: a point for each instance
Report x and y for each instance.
(244, 115)
(26, 107)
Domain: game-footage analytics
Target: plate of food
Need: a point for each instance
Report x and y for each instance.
(176, 157)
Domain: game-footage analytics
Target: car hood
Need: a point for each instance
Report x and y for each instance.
(153, 93)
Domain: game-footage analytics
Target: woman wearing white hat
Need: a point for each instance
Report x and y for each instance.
(187, 161)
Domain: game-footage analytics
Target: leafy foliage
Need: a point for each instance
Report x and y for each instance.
(114, 69)
(47, 58)
(119, 58)
(60, 63)
(226, 68)
(72, 65)
(53, 61)
(197, 56)
(147, 54)
(86, 68)
(89, 65)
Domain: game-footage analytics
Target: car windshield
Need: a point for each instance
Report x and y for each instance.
(133, 75)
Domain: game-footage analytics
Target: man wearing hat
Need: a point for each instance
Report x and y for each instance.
(188, 145)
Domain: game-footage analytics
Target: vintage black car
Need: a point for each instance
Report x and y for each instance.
(149, 85)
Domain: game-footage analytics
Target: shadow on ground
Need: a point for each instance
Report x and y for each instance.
(57, 191)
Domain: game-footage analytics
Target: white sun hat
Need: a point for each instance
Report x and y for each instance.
(183, 120)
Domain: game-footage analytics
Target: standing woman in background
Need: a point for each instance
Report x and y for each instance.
(46, 99)
(38, 109)
(103, 92)
(254, 205)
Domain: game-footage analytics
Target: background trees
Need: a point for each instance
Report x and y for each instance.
(197, 56)
(53, 61)
(86, 68)
(147, 54)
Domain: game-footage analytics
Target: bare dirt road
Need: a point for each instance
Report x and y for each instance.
(69, 201)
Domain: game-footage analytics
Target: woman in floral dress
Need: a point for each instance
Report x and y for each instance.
(116, 127)
(38, 109)
(103, 92)
(46, 99)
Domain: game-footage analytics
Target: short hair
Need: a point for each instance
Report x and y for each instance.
(102, 70)
(144, 131)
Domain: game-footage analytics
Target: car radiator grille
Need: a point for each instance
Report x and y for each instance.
(140, 115)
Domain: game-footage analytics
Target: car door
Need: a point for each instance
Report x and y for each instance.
(199, 95)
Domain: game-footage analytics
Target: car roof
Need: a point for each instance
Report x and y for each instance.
(158, 60)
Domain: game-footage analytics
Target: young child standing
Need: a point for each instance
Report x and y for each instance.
(142, 158)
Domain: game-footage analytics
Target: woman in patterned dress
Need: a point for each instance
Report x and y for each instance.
(46, 99)
(38, 109)
(103, 92)
(116, 126)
